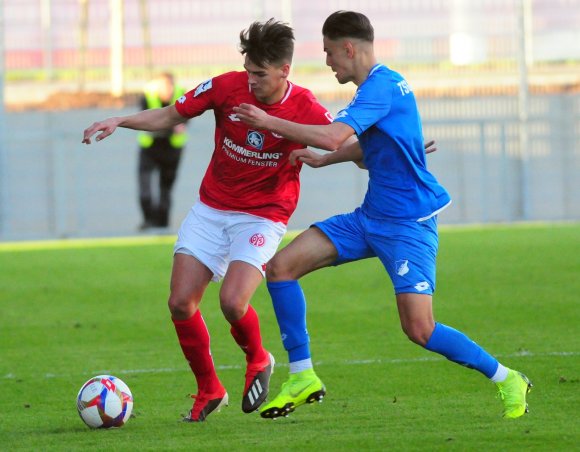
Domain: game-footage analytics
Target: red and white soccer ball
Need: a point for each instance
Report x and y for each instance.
(104, 402)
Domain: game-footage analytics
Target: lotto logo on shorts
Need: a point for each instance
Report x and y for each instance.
(258, 240)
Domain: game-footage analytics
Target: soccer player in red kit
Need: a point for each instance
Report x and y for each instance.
(246, 198)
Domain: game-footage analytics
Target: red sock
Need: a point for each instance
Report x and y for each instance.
(194, 339)
(246, 333)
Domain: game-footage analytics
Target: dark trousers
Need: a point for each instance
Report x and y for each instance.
(159, 162)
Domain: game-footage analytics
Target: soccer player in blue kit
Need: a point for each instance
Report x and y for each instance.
(397, 221)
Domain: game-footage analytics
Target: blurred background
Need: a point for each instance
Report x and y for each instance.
(497, 81)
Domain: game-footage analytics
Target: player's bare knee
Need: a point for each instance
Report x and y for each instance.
(233, 307)
(181, 307)
(232, 313)
(277, 270)
(418, 332)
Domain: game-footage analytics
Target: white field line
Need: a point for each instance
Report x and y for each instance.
(357, 362)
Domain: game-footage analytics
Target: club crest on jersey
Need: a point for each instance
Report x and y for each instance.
(255, 139)
(258, 240)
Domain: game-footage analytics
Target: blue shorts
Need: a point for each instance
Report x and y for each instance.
(407, 249)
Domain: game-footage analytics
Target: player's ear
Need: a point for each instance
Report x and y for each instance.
(285, 70)
(349, 48)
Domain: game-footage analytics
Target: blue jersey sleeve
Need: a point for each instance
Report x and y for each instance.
(371, 103)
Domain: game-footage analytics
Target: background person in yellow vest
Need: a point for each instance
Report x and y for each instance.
(159, 154)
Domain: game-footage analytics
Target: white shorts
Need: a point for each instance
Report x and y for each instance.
(216, 238)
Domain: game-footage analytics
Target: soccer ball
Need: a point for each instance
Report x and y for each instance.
(104, 402)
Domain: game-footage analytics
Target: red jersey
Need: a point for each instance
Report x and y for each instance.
(249, 170)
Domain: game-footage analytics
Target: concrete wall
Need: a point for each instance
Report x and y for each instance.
(53, 186)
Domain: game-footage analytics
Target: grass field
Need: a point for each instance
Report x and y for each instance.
(72, 310)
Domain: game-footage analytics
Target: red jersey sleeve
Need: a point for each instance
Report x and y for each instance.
(206, 96)
(316, 114)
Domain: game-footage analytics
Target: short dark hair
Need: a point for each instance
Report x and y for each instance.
(268, 43)
(348, 24)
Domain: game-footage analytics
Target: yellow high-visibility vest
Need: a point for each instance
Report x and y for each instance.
(145, 139)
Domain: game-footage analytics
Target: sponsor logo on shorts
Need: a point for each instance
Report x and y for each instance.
(422, 286)
(263, 267)
(402, 267)
(258, 240)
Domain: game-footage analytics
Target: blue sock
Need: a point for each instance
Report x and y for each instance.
(290, 308)
(457, 347)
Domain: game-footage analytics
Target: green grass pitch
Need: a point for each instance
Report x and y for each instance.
(72, 310)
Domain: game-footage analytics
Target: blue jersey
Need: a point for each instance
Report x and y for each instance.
(385, 117)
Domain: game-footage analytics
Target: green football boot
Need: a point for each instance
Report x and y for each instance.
(513, 393)
(302, 387)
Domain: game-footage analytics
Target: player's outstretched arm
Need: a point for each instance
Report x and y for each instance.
(148, 120)
(328, 137)
(105, 128)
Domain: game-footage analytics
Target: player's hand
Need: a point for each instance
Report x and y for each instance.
(251, 115)
(430, 147)
(180, 128)
(106, 128)
(311, 158)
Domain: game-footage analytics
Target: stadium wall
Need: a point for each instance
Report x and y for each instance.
(57, 187)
